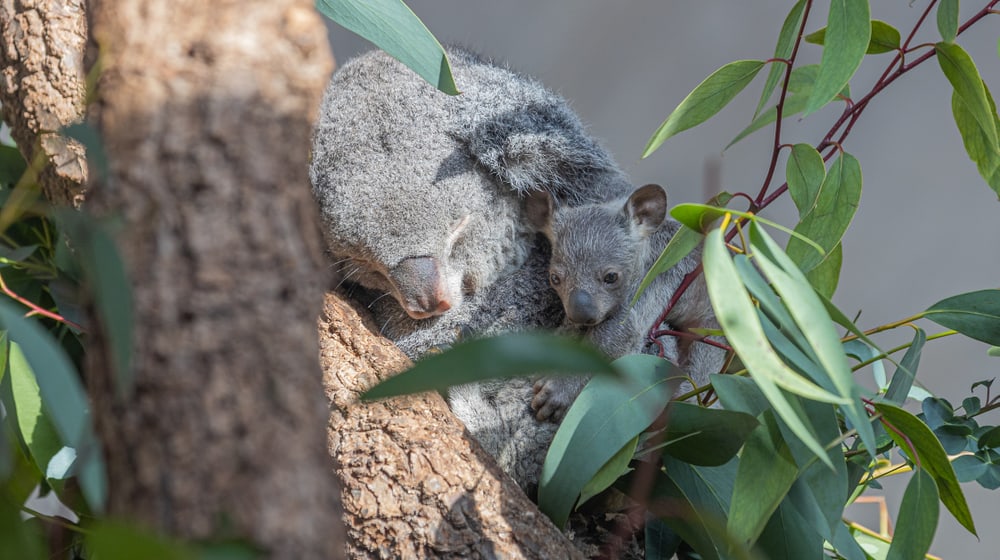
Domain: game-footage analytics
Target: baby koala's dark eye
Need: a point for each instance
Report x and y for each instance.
(611, 278)
(554, 279)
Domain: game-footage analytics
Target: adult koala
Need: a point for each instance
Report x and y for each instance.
(422, 204)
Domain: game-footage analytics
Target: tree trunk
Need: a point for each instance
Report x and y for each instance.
(415, 485)
(42, 89)
(205, 110)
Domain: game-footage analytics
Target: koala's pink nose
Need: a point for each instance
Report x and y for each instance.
(421, 287)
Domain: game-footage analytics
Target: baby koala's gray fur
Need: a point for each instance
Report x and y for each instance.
(421, 197)
(600, 253)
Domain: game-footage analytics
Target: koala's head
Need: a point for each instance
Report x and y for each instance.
(598, 250)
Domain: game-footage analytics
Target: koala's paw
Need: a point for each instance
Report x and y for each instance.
(553, 397)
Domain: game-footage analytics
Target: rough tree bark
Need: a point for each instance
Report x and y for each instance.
(205, 110)
(415, 485)
(42, 88)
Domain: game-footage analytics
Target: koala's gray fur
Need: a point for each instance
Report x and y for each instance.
(422, 205)
(600, 253)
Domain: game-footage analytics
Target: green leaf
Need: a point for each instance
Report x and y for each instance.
(794, 104)
(885, 38)
(974, 314)
(918, 518)
(930, 456)
(827, 220)
(971, 405)
(660, 540)
(705, 436)
(737, 315)
(783, 50)
(606, 415)
(615, 468)
(756, 497)
(805, 173)
(826, 275)
(848, 33)
(509, 355)
(819, 495)
(902, 380)
(739, 394)
(993, 351)
(961, 71)
(57, 380)
(968, 467)
(19, 539)
(394, 28)
(105, 272)
(706, 100)
(982, 152)
(34, 427)
(788, 535)
(810, 314)
(947, 19)
(845, 544)
(990, 439)
(680, 245)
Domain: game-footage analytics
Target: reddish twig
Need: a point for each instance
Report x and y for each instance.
(34, 309)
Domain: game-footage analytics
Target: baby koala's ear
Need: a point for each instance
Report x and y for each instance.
(538, 209)
(647, 207)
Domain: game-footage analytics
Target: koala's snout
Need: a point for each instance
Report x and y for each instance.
(581, 308)
(423, 291)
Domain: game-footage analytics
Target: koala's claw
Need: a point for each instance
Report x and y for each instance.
(552, 399)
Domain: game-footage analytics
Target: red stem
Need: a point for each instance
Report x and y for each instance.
(35, 309)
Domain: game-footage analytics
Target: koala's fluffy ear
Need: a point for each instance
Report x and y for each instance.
(541, 145)
(647, 208)
(538, 209)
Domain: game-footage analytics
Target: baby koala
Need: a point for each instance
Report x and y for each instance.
(600, 253)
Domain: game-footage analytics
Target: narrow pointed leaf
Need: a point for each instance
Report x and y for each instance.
(974, 314)
(902, 380)
(961, 71)
(809, 312)
(847, 37)
(616, 467)
(885, 38)
(36, 431)
(737, 316)
(606, 415)
(805, 173)
(947, 19)
(831, 215)
(977, 144)
(706, 100)
(680, 245)
(788, 535)
(755, 497)
(394, 28)
(783, 50)
(918, 518)
(931, 456)
(509, 355)
(705, 436)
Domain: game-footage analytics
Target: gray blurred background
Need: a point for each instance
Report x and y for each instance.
(928, 226)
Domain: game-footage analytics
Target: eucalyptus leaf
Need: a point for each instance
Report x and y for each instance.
(756, 497)
(968, 467)
(902, 380)
(35, 428)
(606, 415)
(615, 468)
(947, 19)
(884, 38)
(680, 245)
(783, 50)
(788, 535)
(847, 36)
(961, 71)
(828, 219)
(918, 518)
(707, 99)
(974, 314)
(930, 456)
(509, 355)
(705, 436)
(825, 276)
(977, 144)
(805, 172)
(394, 28)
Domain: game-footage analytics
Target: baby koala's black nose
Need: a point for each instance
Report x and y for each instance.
(581, 309)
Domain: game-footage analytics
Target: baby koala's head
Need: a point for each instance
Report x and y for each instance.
(599, 251)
